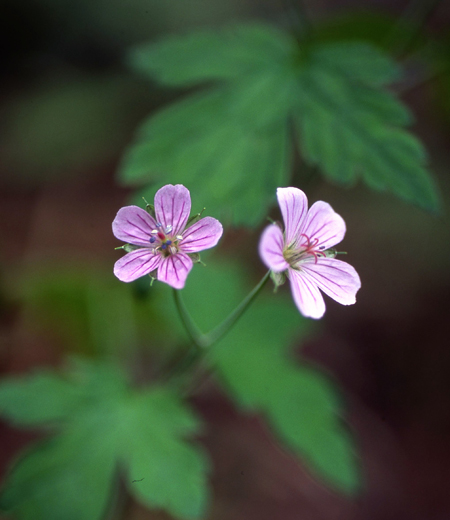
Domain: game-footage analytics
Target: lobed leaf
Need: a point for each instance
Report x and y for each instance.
(211, 54)
(73, 474)
(255, 366)
(231, 143)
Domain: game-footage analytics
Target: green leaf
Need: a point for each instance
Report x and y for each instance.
(61, 478)
(299, 403)
(212, 54)
(172, 471)
(256, 368)
(90, 312)
(142, 431)
(349, 128)
(230, 143)
(207, 147)
(44, 398)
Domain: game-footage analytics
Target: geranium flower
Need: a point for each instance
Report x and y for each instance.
(303, 253)
(163, 244)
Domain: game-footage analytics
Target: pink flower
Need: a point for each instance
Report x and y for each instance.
(163, 244)
(301, 252)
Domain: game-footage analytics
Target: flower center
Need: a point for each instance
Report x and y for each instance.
(295, 254)
(162, 240)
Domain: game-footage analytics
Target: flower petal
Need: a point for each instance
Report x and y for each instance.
(335, 278)
(271, 248)
(306, 295)
(323, 223)
(204, 234)
(133, 225)
(294, 206)
(174, 270)
(136, 264)
(172, 207)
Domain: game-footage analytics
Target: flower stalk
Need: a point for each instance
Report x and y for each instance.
(201, 343)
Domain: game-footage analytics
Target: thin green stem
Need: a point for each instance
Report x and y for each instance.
(194, 333)
(202, 342)
(226, 325)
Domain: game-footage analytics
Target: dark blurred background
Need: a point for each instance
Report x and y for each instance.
(68, 109)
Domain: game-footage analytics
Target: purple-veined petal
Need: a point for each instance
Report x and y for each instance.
(204, 234)
(172, 207)
(335, 278)
(306, 295)
(323, 223)
(294, 206)
(136, 264)
(174, 270)
(271, 248)
(133, 225)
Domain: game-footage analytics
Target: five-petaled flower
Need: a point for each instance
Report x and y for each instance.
(301, 253)
(162, 243)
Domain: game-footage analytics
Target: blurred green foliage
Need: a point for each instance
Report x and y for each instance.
(99, 422)
(230, 143)
(256, 367)
(91, 313)
(101, 425)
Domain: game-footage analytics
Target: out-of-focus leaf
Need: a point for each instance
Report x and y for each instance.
(299, 403)
(43, 398)
(91, 312)
(73, 474)
(256, 368)
(230, 165)
(231, 143)
(61, 478)
(349, 128)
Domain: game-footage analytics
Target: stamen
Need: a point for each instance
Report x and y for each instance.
(179, 237)
(163, 246)
(158, 224)
(322, 248)
(168, 242)
(152, 240)
(308, 241)
(168, 229)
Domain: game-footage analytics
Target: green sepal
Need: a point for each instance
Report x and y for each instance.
(195, 257)
(278, 279)
(195, 218)
(129, 247)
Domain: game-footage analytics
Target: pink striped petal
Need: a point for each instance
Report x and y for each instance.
(323, 223)
(204, 234)
(174, 270)
(294, 206)
(335, 278)
(136, 264)
(172, 207)
(133, 225)
(306, 295)
(271, 249)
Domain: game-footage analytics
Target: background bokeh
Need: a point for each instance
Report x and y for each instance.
(69, 106)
